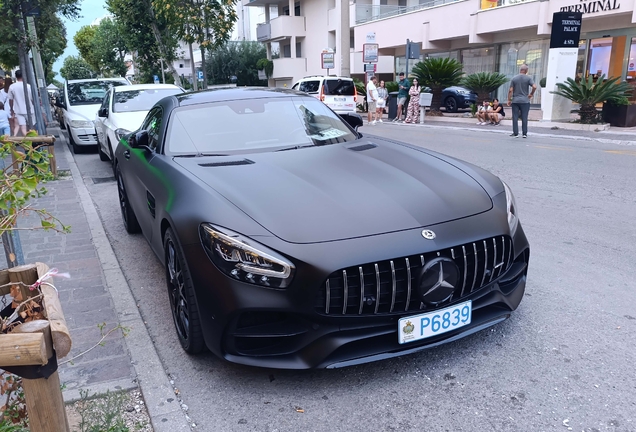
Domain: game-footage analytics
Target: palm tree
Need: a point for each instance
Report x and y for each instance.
(484, 83)
(438, 73)
(588, 93)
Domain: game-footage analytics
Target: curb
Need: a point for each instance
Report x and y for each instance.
(164, 410)
(499, 131)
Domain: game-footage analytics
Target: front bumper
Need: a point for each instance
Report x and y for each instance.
(467, 101)
(256, 326)
(83, 136)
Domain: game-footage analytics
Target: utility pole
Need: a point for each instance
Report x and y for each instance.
(194, 70)
(39, 69)
(345, 39)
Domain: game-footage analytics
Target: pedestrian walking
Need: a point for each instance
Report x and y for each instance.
(403, 91)
(5, 127)
(519, 98)
(372, 98)
(4, 98)
(383, 96)
(413, 112)
(18, 104)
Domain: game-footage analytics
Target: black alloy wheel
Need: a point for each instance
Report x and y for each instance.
(112, 156)
(127, 214)
(102, 156)
(76, 149)
(451, 104)
(182, 301)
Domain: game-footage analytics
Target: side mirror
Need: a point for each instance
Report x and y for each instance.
(102, 112)
(352, 119)
(139, 139)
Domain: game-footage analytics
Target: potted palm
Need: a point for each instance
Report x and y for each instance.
(483, 83)
(621, 111)
(588, 94)
(437, 74)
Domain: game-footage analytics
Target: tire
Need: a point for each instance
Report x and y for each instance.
(183, 305)
(451, 104)
(112, 157)
(63, 126)
(127, 214)
(76, 149)
(102, 156)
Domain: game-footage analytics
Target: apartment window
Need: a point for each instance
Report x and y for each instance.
(287, 51)
(298, 50)
(181, 65)
(297, 8)
(286, 10)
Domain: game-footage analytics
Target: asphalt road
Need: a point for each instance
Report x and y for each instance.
(564, 361)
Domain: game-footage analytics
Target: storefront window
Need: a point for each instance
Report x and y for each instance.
(478, 60)
(631, 62)
(513, 55)
(606, 57)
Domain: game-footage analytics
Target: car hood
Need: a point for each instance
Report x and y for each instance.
(128, 120)
(82, 112)
(336, 192)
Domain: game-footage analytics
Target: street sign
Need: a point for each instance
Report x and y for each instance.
(200, 75)
(370, 67)
(156, 79)
(328, 60)
(370, 53)
(566, 29)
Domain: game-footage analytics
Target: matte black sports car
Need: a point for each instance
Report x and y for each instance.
(291, 241)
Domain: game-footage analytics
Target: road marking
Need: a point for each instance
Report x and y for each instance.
(626, 152)
(553, 148)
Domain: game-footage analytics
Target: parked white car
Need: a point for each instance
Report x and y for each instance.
(338, 93)
(123, 110)
(79, 101)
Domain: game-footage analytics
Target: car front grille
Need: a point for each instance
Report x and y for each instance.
(390, 287)
(87, 138)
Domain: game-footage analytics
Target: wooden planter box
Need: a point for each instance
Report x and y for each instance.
(35, 346)
(620, 115)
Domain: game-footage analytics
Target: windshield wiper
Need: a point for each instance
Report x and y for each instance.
(295, 147)
(191, 155)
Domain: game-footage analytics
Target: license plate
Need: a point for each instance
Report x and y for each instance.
(340, 99)
(434, 323)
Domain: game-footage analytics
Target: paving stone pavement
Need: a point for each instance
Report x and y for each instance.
(85, 298)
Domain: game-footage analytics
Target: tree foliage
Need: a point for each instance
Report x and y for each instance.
(103, 47)
(484, 83)
(239, 59)
(75, 67)
(438, 73)
(83, 40)
(588, 93)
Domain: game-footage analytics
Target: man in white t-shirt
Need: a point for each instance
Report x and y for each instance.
(372, 97)
(18, 104)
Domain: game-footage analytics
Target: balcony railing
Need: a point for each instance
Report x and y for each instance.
(263, 32)
(366, 13)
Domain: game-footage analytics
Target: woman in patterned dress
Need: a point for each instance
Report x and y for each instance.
(413, 112)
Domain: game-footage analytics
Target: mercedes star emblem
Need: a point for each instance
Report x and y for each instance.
(428, 234)
(438, 280)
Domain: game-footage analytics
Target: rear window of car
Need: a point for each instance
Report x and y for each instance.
(140, 100)
(90, 92)
(339, 87)
(309, 86)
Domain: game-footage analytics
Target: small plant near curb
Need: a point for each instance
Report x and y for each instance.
(109, 412)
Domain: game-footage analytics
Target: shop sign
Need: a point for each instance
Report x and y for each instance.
(593, 6)
(566, 29)
(370, 53)
(328, 60)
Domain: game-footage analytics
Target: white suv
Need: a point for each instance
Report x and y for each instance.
(338, 93)
(79, 102)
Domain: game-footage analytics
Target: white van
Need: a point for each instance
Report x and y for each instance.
(79, 102)
(338, 93)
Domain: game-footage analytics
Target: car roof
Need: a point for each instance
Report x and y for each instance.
(235, 93)
(146, 87)
(96, 80)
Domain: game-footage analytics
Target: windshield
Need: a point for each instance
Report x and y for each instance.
(339, 87)
(244, 126)
(140, 100)
(90, 92)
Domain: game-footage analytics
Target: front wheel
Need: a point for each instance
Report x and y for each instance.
(450, 104)
(127, 214)
(183, 305)
(102, 156)
(76, 149)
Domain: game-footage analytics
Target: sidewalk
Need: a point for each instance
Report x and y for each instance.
(97, 293)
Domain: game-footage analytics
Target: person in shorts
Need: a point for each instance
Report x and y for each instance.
(372, 98)
(5, 127)
(19, 106)
(497, 114)
(383, 96)
(483, 113)
(403, 85)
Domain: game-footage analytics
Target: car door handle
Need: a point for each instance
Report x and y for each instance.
(127, 154)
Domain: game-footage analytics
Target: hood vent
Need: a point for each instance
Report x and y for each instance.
(227, 163)
(362, 147)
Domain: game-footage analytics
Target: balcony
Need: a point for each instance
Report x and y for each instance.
(289, 68)
(282, 27)
(367, 12)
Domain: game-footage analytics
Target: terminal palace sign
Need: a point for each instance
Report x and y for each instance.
(593, 6)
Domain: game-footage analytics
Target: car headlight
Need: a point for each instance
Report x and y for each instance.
(119, 133)
(81, 124)
(244, 259)
(463, 92)
(511, 209)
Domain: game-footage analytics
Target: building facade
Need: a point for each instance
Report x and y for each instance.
(484, 35)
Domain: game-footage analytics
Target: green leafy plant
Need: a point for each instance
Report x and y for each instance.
(588, 93)
(101, 413)
(267, 66)
(473, 110)
(391, 86)
(621, 100)
(5, 426)
(542, 82)
(484, 83)
(13, 412)
(438, 73)
(361, 89)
